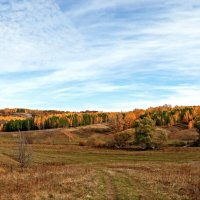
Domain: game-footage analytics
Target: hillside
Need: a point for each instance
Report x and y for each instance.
(176, 134)
(60, 168)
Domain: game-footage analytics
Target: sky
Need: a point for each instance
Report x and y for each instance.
(114, 55)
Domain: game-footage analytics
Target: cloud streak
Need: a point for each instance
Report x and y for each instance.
(100, 54)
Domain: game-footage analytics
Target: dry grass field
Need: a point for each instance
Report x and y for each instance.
(61, 169)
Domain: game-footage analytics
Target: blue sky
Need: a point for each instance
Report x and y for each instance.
(99, 54)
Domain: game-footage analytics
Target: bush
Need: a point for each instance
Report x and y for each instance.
(145, 125)
(144, 132)
(94, 141)
(147, 136)
(122, 139)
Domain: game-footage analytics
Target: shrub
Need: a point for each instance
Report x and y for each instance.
(144, 132)
(122, 139)
(94, 141)
(147, 136)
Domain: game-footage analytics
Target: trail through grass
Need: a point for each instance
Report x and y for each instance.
(61, 169)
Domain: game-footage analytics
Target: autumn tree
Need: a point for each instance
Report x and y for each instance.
(117, 122)
(129, 120)
(144, 129)
(148, 136)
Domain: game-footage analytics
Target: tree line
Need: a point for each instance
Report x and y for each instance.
(162, 116)
(55, 121)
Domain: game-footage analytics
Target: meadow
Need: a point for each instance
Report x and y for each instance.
(59, 168)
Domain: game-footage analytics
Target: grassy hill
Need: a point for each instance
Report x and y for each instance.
(62, 169)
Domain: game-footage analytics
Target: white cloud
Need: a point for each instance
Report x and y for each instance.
(34, 35)
(98, 51)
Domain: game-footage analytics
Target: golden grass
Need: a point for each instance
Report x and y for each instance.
(61, 169)
(168, 180)
(138, 180)
(49, 182)
(179, 134)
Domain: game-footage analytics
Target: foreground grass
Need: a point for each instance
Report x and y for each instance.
(60, 169)
(139, 180)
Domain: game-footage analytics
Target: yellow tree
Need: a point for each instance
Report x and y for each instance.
(129, 119)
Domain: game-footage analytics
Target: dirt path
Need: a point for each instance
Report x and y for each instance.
(130, 186)
(109, 186)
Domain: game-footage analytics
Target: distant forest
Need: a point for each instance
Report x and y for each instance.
(26, 119)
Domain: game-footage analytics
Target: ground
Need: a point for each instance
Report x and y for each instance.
(61, 169)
